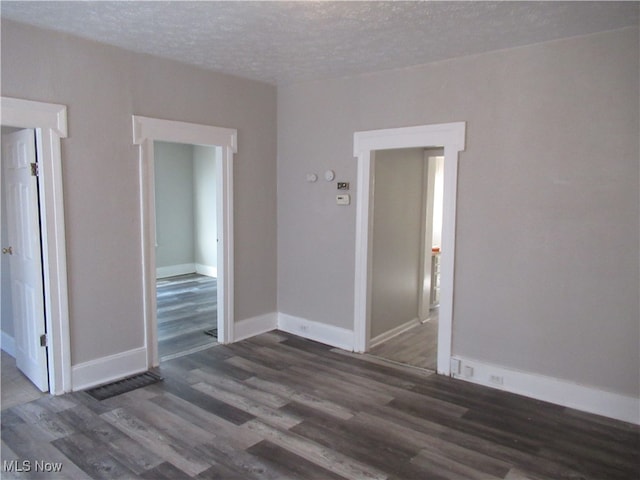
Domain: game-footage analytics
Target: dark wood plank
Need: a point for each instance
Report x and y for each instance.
(294, 465)
(280, 407)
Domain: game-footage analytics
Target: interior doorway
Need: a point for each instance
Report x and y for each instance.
(23, 313)
(406, 247)
(146, 132)
(186, 248)
(451, 138)
(47, 124)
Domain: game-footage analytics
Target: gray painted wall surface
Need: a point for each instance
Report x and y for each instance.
(103, 87)
(396, 239)
(175, 222)
(204, 203)
(547, 228)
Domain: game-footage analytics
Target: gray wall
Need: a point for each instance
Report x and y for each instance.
(204, 203)
(103, 87)
(175, 223)
(396, 239)
(547, 221)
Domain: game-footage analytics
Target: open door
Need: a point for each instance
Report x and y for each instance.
(23, 224)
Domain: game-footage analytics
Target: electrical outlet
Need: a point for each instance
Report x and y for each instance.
(497, 379)
(304, 328)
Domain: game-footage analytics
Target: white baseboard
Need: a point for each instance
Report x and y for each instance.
(174, 270)
(394, 332)
(207, 270)
(8, 344)
(255, 326)
(551, 389)
(320, 332)
(107, 369)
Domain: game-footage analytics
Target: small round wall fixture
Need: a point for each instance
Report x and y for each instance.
(329, 175)
(312, 177)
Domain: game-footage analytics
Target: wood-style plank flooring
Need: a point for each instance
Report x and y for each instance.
(417, 346)
(280, 407)
(187, 306)
(16, 388)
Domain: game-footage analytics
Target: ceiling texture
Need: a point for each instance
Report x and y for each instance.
(287, 42)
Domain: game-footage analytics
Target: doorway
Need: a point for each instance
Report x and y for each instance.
(406, 246)
(451, 138)
(147, 131)
(186, 248)
(48, 124)
(23, 314)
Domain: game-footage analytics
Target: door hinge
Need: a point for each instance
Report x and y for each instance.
(34, 169)
(43, 340)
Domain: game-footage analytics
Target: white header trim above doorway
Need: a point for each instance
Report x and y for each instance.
(451, 136)
(145, 131)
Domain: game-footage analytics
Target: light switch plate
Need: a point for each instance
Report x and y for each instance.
(343, 199)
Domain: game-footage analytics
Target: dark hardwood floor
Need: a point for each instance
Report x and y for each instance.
(187, 306)
(280, 407)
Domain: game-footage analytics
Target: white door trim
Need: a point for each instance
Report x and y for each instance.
(145, 131)
(451, 136)
(50, 122)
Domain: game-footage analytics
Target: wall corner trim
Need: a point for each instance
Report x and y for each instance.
(106, 369)
(253, 326)
(319, 332)
(8, 343)
(554, 390)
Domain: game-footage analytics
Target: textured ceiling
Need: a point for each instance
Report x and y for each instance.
(285, 42)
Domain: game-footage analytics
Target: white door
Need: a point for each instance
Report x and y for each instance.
(23, 225)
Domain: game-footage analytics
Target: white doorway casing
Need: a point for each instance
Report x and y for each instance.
(145, 131)
(451, 137)
(25, 254)
(50, 123)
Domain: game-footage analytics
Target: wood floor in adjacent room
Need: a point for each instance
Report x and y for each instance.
(187, 306)
(280, 407)
(417, 346)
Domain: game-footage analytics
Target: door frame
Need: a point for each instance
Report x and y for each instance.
(50, 124)
(146, 131)
(451, 137)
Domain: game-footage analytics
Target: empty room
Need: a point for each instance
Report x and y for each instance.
(361, 240)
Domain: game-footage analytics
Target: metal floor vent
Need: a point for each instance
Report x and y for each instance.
(123, 386)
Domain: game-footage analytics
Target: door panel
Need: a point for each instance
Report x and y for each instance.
(23, 226)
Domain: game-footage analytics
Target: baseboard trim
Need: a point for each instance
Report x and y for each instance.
(107, 369)
(551, 389)
(394, 332)
(206, 270)
(319, 332)
(174, 270)
(253, 326)
(8, 344)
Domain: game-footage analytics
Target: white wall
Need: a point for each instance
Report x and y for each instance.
(103, 87)
(438, 201)
(547, 210)
(396, 238)
(175, 222)
(204, 202)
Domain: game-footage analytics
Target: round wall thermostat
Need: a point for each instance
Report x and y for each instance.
(329, 175)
